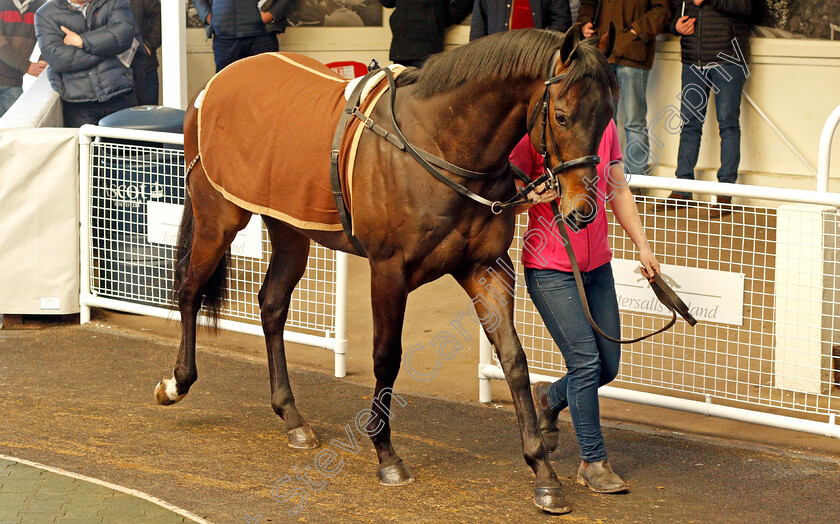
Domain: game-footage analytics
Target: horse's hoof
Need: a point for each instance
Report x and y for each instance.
(551, 500)
(166, 392)
(395, 475)
(302, 438)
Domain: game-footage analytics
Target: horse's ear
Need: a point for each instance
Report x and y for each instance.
(607, 42)
(570, 42)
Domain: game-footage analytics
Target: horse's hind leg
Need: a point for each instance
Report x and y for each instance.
(389, 291)
(490, 288)
(290, 252)
(215, 223)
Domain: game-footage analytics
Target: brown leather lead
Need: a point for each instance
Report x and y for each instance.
(663, 292)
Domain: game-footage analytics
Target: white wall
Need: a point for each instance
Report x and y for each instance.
(795, 82)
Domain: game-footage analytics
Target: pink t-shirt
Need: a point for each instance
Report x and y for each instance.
(542, 245)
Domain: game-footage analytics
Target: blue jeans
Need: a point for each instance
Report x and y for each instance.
(632, 83)
(591, 360)
(729, 79)
(152, 87)
(8, 95)
(228, 50)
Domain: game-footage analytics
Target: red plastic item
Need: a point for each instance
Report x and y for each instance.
(348, 70)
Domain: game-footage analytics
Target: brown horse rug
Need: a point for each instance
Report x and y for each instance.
(265, 131)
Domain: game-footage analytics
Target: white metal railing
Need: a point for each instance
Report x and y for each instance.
(781, 355)
(131, 194)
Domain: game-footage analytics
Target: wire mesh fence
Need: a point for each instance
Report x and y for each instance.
(781, 353)
(135, 201)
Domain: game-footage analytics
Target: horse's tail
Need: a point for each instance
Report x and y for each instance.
(215, 290)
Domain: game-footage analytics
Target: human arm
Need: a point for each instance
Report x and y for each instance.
(732, 7)
(152, 38)
(560, 16)
(202, 7)
(586, 13)
(654, 21)
(115, 36)
(458, 10)
(61, 57)
(478, 25)
(624, 209)
(12, 58)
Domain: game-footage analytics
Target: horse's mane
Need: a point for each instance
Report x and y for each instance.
(505, 55)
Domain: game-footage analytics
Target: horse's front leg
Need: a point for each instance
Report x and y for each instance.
(389, 291)
(492, 288)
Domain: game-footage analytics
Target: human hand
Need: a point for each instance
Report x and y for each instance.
(698, 3)
(540, 194)
(267, 18)
(71, 38)
(685, 25)
(634, 32)
(650, 266)
(36, 68)
(587, 30)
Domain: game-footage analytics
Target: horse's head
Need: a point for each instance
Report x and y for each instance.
(570, 118)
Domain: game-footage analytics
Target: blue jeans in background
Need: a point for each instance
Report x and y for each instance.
(8, 95)
(591, 360)
(228, 50)
(152, 86)
(632, 83)
(729, 79)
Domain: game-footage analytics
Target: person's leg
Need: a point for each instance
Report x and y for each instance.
(603, 304)
(153, 85)
(138, 70)
(226, 51)
(263, 44)
(8, 96)
(555, 296)
(695, 101)
(632, 83)
(77, 114)
(729, 79)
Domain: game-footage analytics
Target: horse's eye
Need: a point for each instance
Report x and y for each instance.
(561, 119)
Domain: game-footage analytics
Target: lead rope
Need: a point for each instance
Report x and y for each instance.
(663, 292)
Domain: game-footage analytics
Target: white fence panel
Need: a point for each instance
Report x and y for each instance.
(778, 364)
(132, 193)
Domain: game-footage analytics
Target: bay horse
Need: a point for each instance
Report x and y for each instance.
(469, 106)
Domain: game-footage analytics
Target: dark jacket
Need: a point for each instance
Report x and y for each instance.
(493, 16)
(418, 26)
(716, 23)
(647, 17)
(92, 73)
(241, 18)
(147, 17)
(17, 40)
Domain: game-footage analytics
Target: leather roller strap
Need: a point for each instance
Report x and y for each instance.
(335, 181)
(663, 292)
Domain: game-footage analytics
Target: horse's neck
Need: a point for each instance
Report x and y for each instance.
(476, 128)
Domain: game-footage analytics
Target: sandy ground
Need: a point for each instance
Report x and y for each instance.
(80, 398)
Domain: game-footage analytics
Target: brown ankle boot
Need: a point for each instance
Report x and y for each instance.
(600, 478)
(546, 417)
(722, 208)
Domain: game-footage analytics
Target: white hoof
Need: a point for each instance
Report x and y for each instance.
(166, 392)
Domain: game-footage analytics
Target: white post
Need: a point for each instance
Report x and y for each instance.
(84, 226)
(824, 160)
(173, 18)
(341, 275)
(485, 358)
